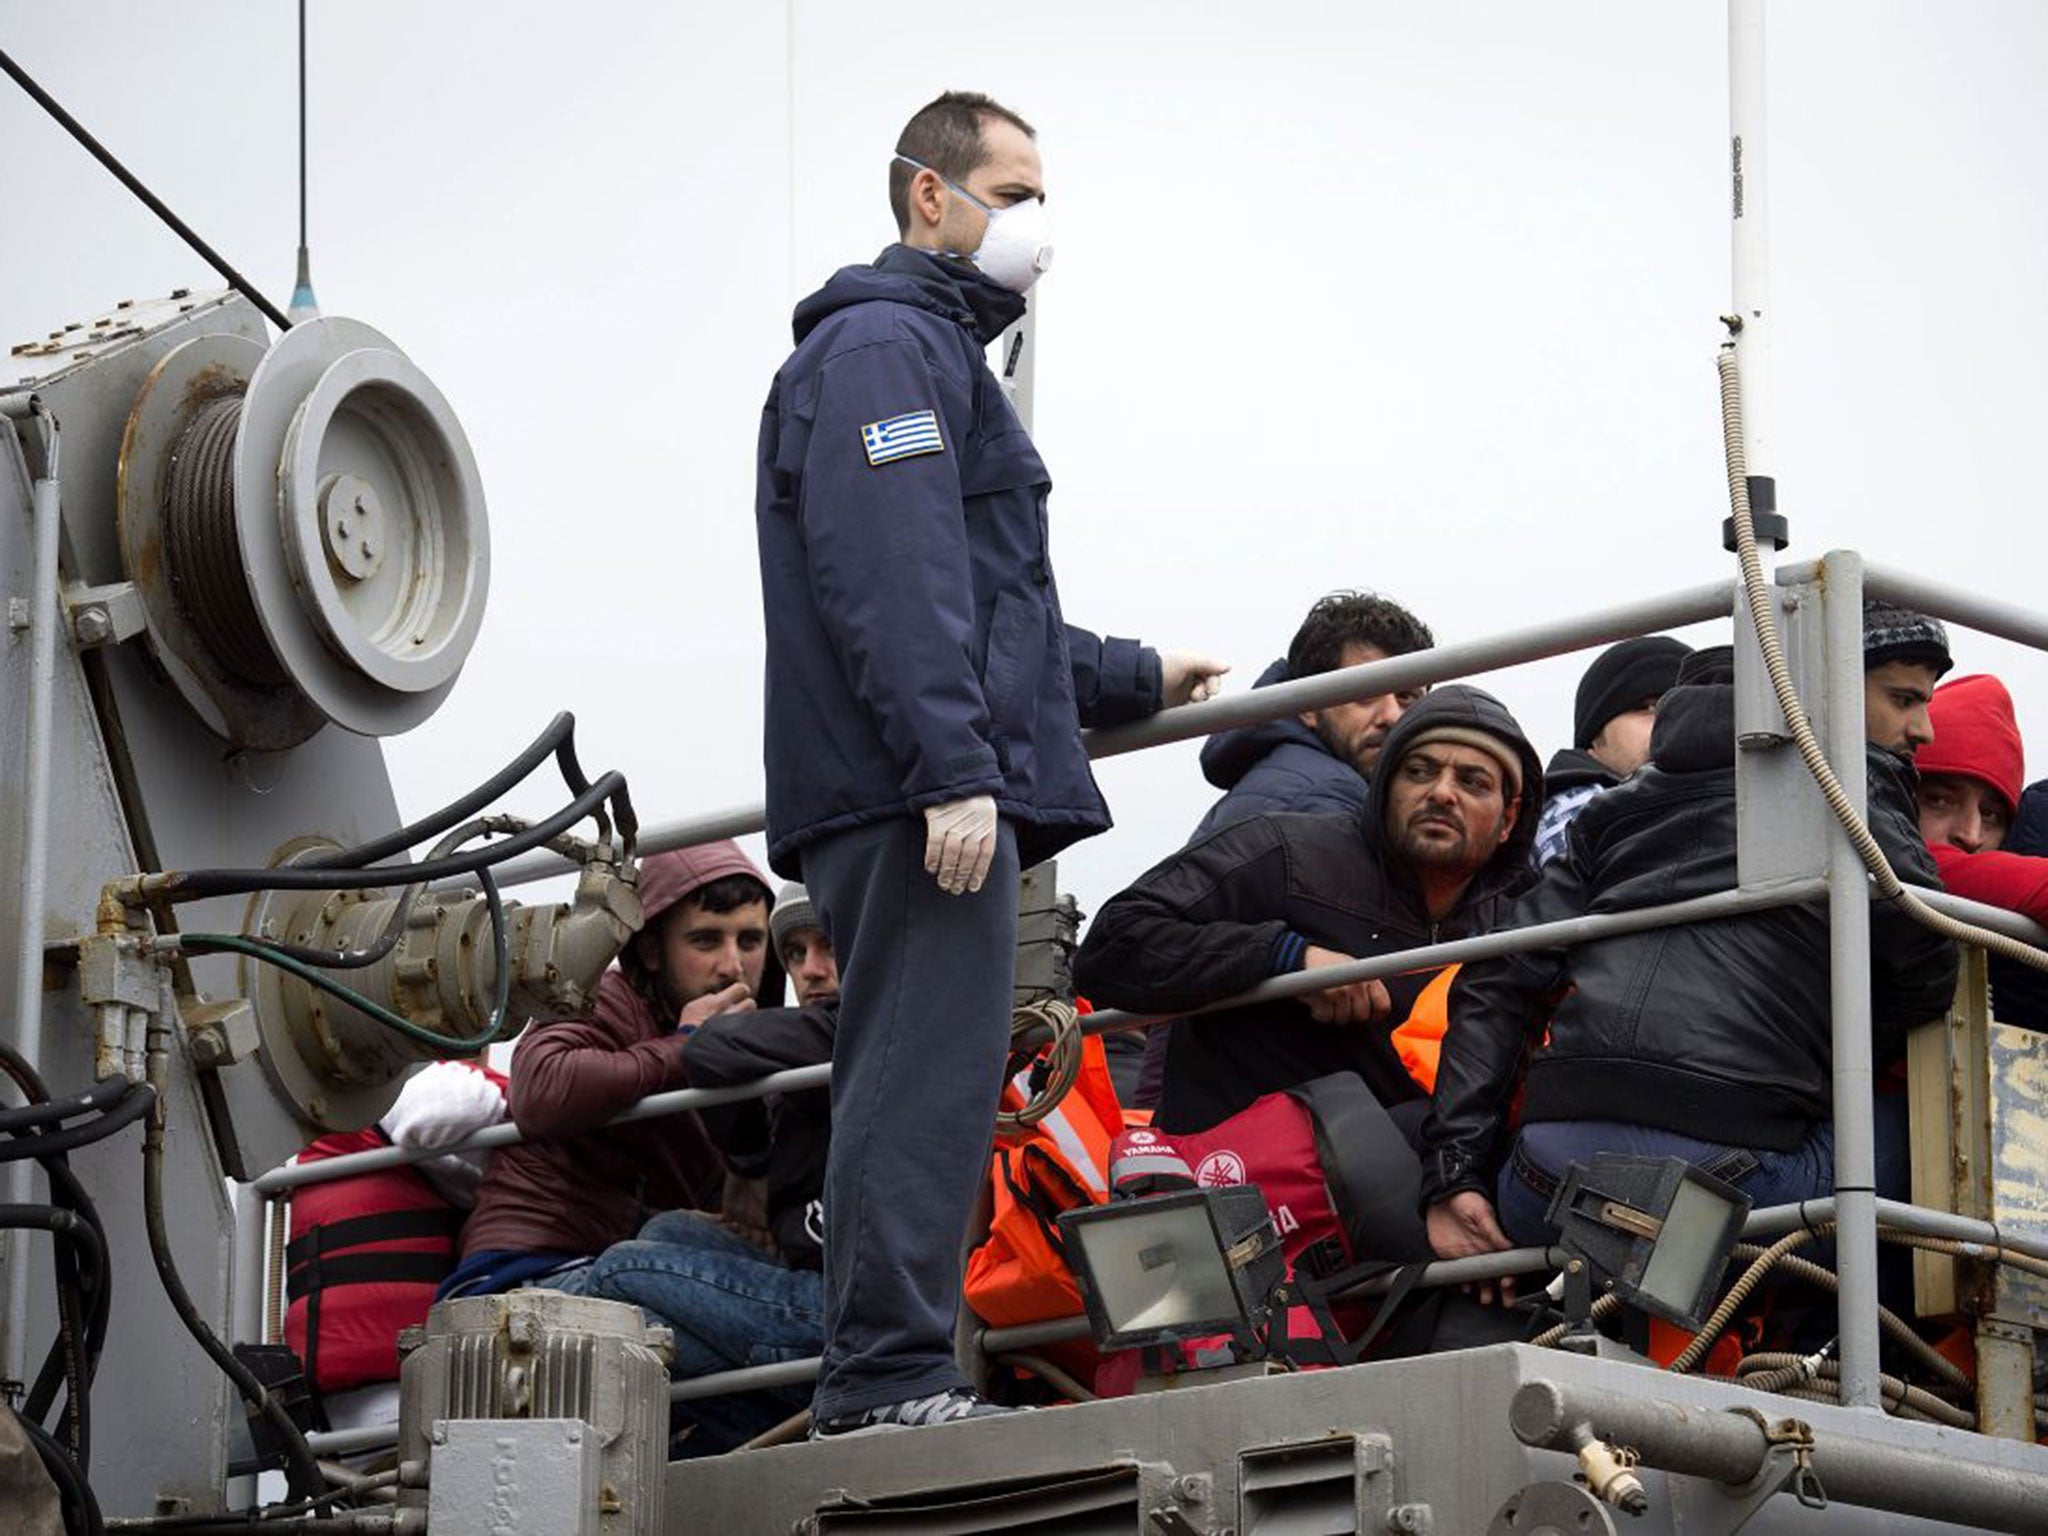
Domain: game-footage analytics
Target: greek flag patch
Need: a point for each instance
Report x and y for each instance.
(901, 437)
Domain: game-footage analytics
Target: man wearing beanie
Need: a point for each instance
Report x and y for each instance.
(1904, 655)
(801, 946)
(1708, 1041)
(1971, 778)
(1611, 721)
(1440, 848)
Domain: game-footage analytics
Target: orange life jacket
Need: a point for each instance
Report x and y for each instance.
(1019, 1273)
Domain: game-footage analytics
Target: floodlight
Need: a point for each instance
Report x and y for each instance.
(1657, 1227)
(1175, 1266)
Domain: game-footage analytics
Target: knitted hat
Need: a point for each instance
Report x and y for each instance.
(1713, 664)
(1891, 633)
(1621, 677)
(1502, 752)
(792, 910)
(1975, 737)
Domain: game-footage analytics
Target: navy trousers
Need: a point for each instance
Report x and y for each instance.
(925, 994)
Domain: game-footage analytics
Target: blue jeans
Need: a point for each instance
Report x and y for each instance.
(729, 1306)
(1807, 1172)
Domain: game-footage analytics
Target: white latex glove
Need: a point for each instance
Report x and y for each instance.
(442, 1103)
(960, 842)
(1188, 677)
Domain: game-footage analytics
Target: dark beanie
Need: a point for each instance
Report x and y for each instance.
(1621, 677)
(1714, 664)
(1891, 633)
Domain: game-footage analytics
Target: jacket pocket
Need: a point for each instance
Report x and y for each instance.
(1015, 637)
(1003, 462)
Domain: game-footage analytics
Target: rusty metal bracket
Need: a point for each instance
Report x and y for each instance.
(1787, 1465)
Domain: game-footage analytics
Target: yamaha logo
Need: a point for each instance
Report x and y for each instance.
(1219, 1169)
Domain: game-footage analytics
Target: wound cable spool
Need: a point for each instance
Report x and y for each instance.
(1063, 1060)
(201, 556)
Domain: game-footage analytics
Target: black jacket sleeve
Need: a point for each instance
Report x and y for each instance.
(1497, 1012)
(1194, 929)
(740, 1047)
(1912, 968)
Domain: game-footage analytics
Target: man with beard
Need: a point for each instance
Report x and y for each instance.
(1441, 845)
(551, 1203)
(1319, 760)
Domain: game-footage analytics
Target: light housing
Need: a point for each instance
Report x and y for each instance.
(1657, 1227)
(1176, 1266)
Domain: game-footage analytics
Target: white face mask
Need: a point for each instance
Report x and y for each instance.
(1015, 248)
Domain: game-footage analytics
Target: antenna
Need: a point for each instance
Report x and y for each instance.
(303, 306)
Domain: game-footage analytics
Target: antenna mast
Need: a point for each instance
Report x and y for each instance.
(303, 306)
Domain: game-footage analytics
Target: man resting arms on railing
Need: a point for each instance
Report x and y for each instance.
(732, 1303)
(555, 1201)
(1710, 1041)
(1441, 846)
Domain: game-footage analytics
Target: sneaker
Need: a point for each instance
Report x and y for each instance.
(946, 1407)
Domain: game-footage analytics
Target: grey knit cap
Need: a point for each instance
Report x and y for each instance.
(1892, 633)
(792, 910)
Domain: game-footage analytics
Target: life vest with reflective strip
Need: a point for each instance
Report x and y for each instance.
(364, 1256)
(1019, 1273)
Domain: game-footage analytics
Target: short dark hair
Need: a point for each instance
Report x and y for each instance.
(1353, 618)
(729, 893)
(945, 136)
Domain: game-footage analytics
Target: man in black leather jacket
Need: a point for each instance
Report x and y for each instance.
(1708, 1041)
(1441, 847)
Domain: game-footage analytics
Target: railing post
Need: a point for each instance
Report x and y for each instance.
(1849, 962)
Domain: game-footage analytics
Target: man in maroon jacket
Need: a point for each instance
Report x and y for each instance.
(573, 1188)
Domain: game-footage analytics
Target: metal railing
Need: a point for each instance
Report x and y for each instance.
(1854, 1208)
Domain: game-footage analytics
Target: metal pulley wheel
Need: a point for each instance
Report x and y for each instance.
(307, 530)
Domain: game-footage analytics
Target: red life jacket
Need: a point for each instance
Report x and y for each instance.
(364, 1258)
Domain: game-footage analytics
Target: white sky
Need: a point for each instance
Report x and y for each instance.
(1415, 297)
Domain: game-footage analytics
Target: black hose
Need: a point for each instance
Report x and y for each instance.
(132, 1107)
(305, 1467)
(401, 911)
(81, 1510)
(191, 885)
(554, 740)
(101, 1095)
(60, 1223)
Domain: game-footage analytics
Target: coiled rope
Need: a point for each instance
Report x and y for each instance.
(1062, 1057)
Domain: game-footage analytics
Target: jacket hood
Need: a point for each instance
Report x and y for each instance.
(1571, 769)
(947, 286)
(1229, 755)
(1475, 709)
(1695, 729)
(666, 878)
(1976, 737)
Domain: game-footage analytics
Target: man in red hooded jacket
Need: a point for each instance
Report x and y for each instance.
(1971, 775)
(574, 1187)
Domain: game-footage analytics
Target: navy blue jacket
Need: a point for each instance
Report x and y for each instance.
(916, 650)
(1276, 766)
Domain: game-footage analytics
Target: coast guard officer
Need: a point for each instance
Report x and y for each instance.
(924, 703)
